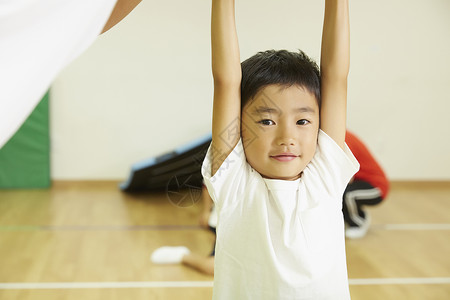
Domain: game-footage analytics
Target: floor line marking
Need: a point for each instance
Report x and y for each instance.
(104, 285)
(442, 226)
(399, 281)
(199, 284)
(99, 227)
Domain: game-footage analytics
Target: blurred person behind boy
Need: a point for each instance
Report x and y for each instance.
(369, 186)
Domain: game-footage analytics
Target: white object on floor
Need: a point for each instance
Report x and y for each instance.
(169, 255)
(357, 232)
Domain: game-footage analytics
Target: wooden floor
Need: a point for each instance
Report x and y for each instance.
(81, 240)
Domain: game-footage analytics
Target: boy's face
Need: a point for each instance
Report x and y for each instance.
(279, 131)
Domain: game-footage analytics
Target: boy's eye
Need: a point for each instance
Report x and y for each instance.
(302, 122)
(266, 122)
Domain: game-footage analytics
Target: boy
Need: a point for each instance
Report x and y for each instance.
(276, 179)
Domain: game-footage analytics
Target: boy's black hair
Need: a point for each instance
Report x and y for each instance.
(279, 67)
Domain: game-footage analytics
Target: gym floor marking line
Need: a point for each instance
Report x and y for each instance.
(399, 281)
(198, 284)
(104, 285)
(443, 226)
(99, 228)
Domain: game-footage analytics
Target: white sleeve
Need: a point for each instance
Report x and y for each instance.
(38, 38)
(332, 165)
(230, 180)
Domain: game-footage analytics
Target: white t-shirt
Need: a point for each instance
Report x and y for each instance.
(281, 239)
(38, 38)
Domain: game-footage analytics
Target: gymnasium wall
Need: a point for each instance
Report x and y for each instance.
(145, 87)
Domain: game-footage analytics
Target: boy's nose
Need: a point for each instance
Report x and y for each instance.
(285, 135)
(285, 139)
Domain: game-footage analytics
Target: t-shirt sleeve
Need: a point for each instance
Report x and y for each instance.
(37, 40)
(331, 167)
(231, 178)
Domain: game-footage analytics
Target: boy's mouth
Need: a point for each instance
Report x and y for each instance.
(284, 157)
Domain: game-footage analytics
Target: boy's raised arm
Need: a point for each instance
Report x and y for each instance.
(226, 69)
(334, 68)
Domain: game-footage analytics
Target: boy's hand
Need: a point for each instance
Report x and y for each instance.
(207, 206)
(204, 218)
(120, 11)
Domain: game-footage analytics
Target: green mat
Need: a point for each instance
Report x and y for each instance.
(25, 158)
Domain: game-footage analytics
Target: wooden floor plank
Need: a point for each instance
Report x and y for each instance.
(92, 232)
